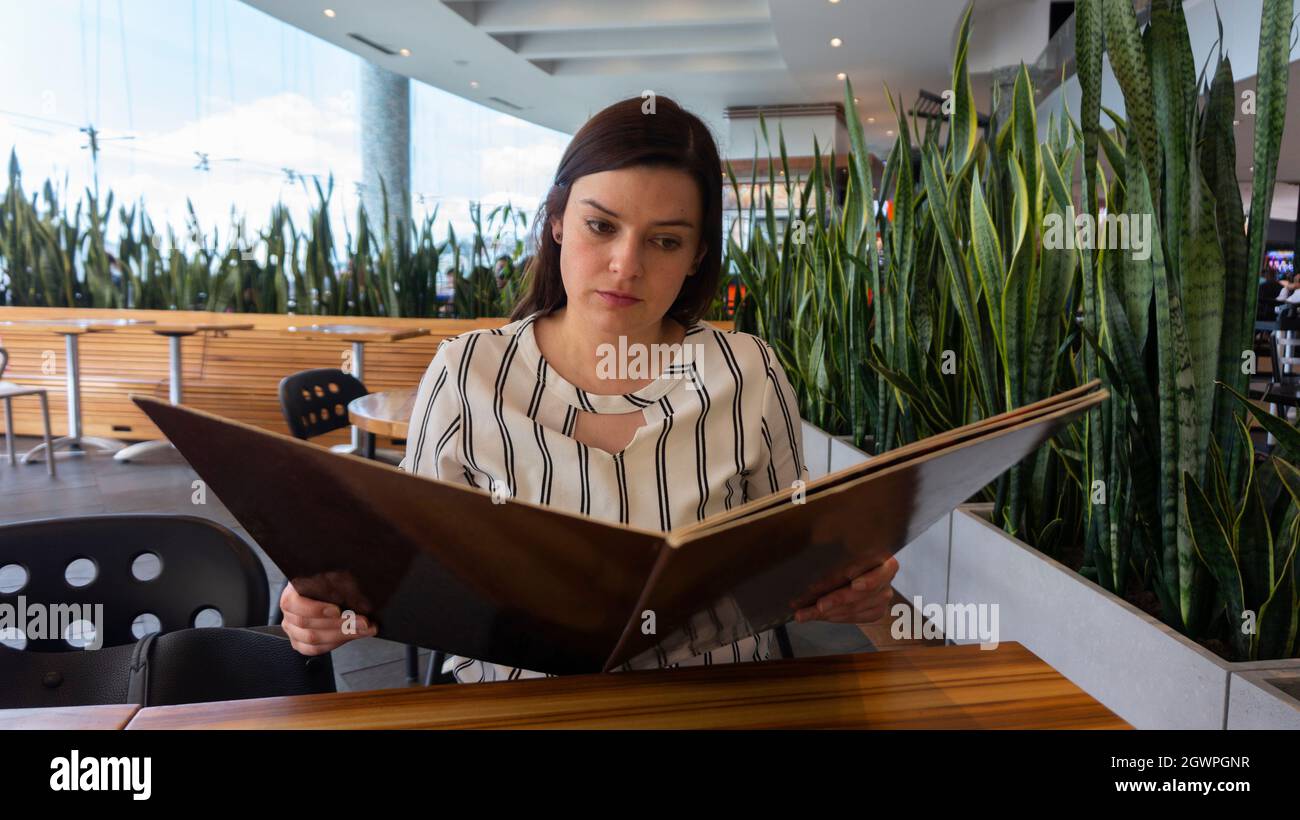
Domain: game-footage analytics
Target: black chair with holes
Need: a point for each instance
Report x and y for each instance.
(315, 402)
(1282, 390)
(146, 592)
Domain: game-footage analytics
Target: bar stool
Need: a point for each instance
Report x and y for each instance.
(8, 392)
(174, 332)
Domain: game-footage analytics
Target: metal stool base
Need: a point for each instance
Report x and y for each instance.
(67, 446)
(142, 450)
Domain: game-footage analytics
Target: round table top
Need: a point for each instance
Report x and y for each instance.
(191, 328)
(75, 327)
(385, 413)
(357, 333)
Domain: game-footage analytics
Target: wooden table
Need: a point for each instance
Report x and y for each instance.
(114, 716)
(383, 414)
(950, 687)
(71, 330)
(358, 335)
(174, 331)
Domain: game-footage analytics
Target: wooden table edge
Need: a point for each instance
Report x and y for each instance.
(189, 328)
(70, 716)
(1103, 719)
(378, 336)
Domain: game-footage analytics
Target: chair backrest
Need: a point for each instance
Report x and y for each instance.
(186, 666)
(314, 402)
(4, 361)
(1287, 322)
(128, 575)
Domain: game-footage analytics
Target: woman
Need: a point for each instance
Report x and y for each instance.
(552, 408)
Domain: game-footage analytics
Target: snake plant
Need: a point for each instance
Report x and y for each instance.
(55, 256)
(1169, 327)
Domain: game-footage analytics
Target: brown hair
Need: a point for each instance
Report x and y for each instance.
(619, 137)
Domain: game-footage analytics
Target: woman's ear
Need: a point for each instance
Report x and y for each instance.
(699, 257)
(556, 232)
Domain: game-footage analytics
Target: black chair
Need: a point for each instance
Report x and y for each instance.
(142, 581)
(188, 666)
(1282, 389)
(1288, 321)
(315, 402)
(164, 571)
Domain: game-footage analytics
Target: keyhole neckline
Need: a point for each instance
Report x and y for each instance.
(571, 394)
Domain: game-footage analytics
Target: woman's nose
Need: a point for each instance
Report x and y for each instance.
(627, 256)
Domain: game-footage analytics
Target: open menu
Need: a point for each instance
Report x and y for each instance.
(449, 566)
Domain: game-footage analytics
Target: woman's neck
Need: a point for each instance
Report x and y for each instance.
(576, 349)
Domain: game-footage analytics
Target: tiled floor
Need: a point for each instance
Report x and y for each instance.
(86, 485)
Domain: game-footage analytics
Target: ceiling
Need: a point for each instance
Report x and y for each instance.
(557, 62)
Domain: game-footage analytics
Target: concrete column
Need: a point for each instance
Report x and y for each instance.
(386, 146)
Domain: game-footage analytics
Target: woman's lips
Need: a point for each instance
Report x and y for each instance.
(617, 300)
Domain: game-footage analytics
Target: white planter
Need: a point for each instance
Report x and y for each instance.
(816, 451)
(844, 454)
(825, 453)
(1138, 667)
(922, 564)
(1255, 702)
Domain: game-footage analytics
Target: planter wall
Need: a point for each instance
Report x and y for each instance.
(844, 454)
(922, 564)
(825, 453)
(1138, 667)
(1255, 700)
(816, 451)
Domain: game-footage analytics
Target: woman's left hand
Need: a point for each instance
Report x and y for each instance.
(863, 600)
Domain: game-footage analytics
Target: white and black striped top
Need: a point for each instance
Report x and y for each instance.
(722, 427)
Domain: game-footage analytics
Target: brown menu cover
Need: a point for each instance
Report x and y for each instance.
(445, 565)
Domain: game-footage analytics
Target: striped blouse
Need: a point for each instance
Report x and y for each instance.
(721, 427)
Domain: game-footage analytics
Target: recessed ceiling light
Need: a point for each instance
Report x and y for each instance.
(405, 52)
(871, 119)
(890, 132)
(329, 12)
(840, 76)
(473, 83)
(836, 42)
(856, 100)
(833, 2)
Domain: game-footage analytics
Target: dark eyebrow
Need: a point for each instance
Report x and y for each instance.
(593, 203)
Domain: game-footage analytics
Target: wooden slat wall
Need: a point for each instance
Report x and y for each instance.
(234, 374)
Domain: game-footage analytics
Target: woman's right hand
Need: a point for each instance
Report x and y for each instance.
(316, 627)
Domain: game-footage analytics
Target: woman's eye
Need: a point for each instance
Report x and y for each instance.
(598, 226)
(668, 243)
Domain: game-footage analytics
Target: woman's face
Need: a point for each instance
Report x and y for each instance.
(628, 240)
